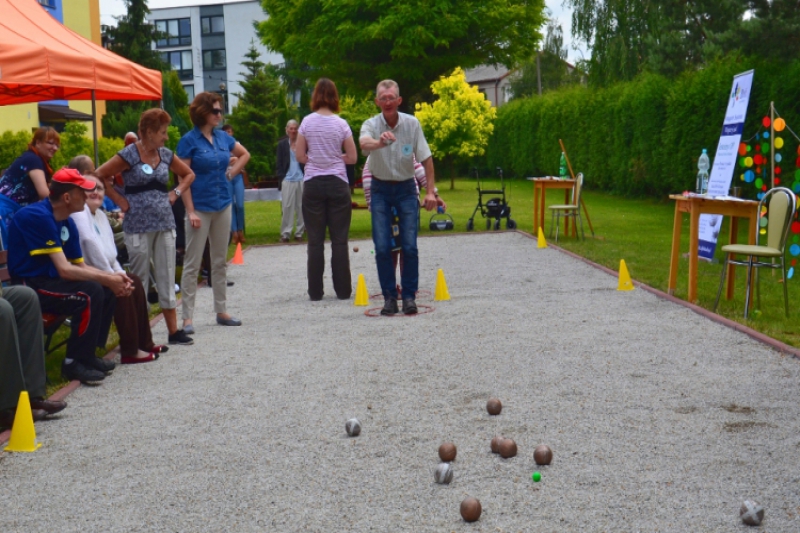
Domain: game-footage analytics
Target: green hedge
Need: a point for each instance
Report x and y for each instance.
(640, 138)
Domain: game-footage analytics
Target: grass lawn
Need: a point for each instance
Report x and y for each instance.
(636, 230)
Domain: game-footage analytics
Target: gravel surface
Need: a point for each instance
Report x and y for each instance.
(659, 419)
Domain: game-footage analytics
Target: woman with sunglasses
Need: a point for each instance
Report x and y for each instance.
(27, 179)
(208, 150)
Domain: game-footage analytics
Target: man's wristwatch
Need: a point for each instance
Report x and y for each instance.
(177, 192)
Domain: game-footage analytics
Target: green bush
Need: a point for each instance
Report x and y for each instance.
(643, 137)
(12, 144)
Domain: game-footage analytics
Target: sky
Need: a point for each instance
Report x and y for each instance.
(111, 8)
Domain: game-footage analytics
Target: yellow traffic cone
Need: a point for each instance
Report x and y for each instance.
(541, 243)
(625, 283)
(441, 293)
(23, 436)
(362, 295)
(238, 258)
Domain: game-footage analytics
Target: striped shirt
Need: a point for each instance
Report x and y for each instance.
(396, 161)
(324, 135)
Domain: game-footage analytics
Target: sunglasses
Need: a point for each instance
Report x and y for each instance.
(216, 111)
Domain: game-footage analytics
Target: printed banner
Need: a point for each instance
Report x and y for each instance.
(719, 183)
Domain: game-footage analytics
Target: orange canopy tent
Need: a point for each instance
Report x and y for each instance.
(40, 59)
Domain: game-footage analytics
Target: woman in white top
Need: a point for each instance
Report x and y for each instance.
(324, 145)
(131, 312)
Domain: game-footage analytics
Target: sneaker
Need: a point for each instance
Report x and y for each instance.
(180, 337)
(389, 307)
(101, 365)
(409, 306)
(78, 372)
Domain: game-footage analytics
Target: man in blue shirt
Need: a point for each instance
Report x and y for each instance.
(44, 253)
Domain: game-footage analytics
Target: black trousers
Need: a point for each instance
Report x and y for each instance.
(89, 305)
(326, 205)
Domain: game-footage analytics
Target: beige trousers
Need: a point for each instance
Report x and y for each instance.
(292, 202)
(215, 226)
(158, 246)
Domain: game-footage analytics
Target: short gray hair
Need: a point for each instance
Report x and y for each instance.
(82, 163)
(387, 84)
(291, 121)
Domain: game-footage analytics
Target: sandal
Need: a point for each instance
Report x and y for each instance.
(152, 356)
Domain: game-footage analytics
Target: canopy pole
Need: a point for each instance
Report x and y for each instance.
(94, 131)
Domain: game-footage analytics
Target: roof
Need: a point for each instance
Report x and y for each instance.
(483, 73)
(41, 59)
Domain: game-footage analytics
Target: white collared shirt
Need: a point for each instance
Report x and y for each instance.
(395, 162)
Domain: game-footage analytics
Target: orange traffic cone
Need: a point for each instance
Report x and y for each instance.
(238, 258)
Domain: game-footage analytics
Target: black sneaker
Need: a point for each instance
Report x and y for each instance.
(389, 307)
(409, 306)
(101, 365)
(180, 337)
(79, 372)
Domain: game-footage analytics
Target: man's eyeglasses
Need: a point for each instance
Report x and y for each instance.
(387, 99)
(216, 111)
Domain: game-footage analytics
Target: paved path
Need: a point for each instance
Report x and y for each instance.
(659, 419)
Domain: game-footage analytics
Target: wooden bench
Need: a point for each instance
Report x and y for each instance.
(50, 322)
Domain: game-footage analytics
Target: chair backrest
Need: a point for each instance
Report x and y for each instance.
(775, 211)
(576, 189)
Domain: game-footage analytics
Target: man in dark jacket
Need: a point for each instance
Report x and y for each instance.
(290, 172)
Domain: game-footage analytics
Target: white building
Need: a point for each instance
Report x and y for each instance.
(206, 45)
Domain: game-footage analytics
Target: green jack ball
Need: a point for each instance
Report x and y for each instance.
(536, 477)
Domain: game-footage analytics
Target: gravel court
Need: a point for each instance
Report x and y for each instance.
(659, 419)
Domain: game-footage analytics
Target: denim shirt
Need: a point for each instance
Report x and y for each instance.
(210, 189)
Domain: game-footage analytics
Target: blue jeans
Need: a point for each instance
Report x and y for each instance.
(237, 192)
(402, 196)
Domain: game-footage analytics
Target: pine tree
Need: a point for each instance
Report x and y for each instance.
(260, 115)
(133, 36)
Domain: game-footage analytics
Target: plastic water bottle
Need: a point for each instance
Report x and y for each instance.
(562, 166)
(703, 165)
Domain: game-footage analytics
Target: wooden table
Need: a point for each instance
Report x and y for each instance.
(695, 206)
(540, 186)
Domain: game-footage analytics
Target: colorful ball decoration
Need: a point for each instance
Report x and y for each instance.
(766, 122)
(778, 142)
(779, 124)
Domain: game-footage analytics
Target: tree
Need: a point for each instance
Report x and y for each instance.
(548, 66)
(356, 111)
(133, 36)
(359, 42)
(459, 123)
(261, 113)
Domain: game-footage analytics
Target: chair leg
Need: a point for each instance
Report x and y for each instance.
(552, 223)
(785, 288)
(580, 218)
(721, 280)
(558, 224)
(747, 288)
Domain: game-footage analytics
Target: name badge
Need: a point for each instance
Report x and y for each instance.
(147, 169)
(64, 234)
(407, 149)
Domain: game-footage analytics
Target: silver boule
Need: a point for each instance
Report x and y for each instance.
(443, 474)
(751, 513)
(353, 427)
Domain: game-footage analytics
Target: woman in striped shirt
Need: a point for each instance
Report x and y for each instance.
(324, 145)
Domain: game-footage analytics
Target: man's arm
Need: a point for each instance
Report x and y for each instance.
(430, 187)
(119, 283)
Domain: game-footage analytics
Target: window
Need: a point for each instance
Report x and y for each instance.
(189, 91)
(214, 59)
(181, 62)
(211, 25)
(176, 32)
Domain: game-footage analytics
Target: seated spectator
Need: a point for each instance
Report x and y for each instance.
(27, 179)
(22, 355)
(44, 253)
(131, 312)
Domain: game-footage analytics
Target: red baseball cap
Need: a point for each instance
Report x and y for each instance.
(70, 176)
